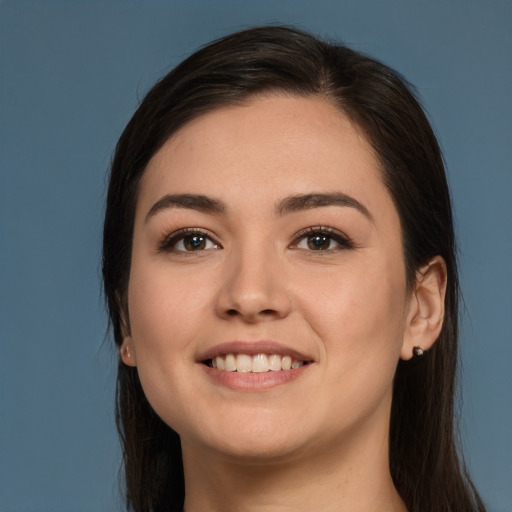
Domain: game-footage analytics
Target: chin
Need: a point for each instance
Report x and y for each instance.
(259, 450)
(251, 442)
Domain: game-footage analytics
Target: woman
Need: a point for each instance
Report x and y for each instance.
(279, 265)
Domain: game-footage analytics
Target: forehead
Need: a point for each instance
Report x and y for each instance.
(267, 148)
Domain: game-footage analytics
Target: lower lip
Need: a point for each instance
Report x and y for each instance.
(254, 381)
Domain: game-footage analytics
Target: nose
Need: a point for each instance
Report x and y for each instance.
(254, 287)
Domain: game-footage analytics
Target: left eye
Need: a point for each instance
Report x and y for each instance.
(322, 241)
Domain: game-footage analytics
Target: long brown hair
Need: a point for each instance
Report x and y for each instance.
(424, 460)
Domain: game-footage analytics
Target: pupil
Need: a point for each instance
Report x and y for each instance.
(195, 242)
(318, 242)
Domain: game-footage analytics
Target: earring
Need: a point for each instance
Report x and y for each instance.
(418, 351)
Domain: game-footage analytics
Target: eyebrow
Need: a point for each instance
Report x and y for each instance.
(196, 202)
(308, 201)
(206, 204)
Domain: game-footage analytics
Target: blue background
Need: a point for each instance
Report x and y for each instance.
(71, 76)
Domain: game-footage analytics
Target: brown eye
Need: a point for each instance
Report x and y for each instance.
(322, 239)
(319, 242)
(194, 242)
(188, 241)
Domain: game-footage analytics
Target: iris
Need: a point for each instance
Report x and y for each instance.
(318, 242)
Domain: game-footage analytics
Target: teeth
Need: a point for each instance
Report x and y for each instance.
(274, 362)
(243, 363)
(259, 363)
(230, 363)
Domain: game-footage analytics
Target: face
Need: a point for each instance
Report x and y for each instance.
(267, 299)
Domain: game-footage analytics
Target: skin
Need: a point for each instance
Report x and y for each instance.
(318, 441)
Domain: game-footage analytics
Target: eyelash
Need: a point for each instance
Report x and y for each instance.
(344, 241)
(169, 242)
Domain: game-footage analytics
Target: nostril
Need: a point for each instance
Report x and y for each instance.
(263, 312)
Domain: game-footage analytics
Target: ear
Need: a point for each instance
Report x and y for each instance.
(426, 308)
(127, 350)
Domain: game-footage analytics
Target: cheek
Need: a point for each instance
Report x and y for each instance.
(358, 314)
(359, 320)
(165, 314)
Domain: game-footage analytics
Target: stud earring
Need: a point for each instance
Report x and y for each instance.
(418, 351)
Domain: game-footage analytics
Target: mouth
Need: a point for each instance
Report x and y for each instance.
(254, 363)
(254, 366)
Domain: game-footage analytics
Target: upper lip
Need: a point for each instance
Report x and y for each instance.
(252, 348)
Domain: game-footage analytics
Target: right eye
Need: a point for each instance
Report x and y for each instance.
(186, 240)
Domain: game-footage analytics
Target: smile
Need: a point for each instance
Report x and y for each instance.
(257, 363)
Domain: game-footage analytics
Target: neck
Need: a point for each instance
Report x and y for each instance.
(332, 478)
